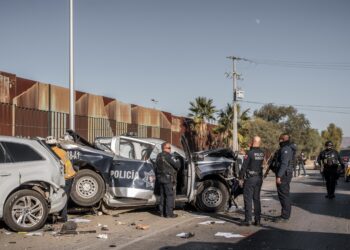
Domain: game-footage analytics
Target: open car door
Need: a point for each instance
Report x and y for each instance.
(191, 169)
(132, 174)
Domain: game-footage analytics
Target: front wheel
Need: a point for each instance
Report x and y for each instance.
(212, 196)
(88, 188)
(25, 210)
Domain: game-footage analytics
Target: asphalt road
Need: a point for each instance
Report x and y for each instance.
(316, 223)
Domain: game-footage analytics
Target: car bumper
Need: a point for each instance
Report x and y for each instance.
(57, 200)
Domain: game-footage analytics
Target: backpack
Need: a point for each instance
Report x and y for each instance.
(273, 162)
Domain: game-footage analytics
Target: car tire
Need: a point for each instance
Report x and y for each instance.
(88, 188)
(29, 204)
(212, 196)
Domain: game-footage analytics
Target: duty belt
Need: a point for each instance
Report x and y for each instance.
(253, 173)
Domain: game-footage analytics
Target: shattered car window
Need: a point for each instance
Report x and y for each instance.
(154, 153)
(2, 155)
(134, 150)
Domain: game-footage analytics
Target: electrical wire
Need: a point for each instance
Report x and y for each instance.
(305, 107)
(301, 64)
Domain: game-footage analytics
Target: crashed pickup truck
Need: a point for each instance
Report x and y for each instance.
(120, 172)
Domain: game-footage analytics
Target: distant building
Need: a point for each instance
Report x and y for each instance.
(345, 142)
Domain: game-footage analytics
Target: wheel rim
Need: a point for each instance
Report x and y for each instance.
(87, 187)
(212, 197)
(27, 211)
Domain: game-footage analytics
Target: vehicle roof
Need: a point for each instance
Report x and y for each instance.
(15, 139)
(157, 141)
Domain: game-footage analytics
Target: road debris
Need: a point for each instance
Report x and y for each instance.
(102, 236)
(80, 220)
(34, 234)
(210, 222)
(235, 209)
(104, 228)
(185, 235)
(69, 226)
(142, 226)
(228, 235)
(202, 217)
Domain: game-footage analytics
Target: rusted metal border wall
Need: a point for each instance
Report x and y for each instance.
(25, 122)
(6, 119)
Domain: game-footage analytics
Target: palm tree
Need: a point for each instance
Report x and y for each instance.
(202, 111)
(224, 128)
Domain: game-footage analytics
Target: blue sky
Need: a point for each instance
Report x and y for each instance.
(174, 51)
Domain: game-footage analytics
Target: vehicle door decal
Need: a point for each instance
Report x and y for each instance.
(133, 175)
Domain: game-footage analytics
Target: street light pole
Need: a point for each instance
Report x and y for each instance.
(71, 70)
(234, 106)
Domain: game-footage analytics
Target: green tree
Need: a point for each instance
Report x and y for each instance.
(313, 144)
(334, 134)
(202, 111)
(268, 131)
(225, 127)
(289, 121)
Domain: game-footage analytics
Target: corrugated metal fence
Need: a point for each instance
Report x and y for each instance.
(18, 121)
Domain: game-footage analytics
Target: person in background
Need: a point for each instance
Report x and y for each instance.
(301, 163)
(330, 163)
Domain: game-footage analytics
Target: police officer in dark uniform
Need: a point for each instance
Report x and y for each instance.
(330, 162)
(284, 174)
(251, 173)
(166, 172)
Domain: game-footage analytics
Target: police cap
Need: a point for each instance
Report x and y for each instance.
(329, 144)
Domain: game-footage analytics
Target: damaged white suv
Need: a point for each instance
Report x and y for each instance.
(31, 183)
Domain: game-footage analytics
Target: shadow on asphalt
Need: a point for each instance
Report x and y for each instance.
(315, 202)
(275, 239)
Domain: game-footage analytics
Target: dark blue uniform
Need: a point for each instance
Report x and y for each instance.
(252, 172)
(285, 165)
(166, 172)
(330, 160)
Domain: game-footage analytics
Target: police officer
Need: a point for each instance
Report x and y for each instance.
(284, 174)
(166, 172)
(330, 161)
(251, 173)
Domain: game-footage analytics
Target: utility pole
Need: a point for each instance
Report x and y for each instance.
(234, 104)
(71, 69)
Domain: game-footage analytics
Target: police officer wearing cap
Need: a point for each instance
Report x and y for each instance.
(284, 173)
(251, 176)
(166, 172)
(330, 162)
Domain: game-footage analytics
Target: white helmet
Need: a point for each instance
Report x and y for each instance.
(50, 140)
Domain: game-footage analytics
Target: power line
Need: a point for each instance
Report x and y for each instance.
(302, 107)
(302, 64)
